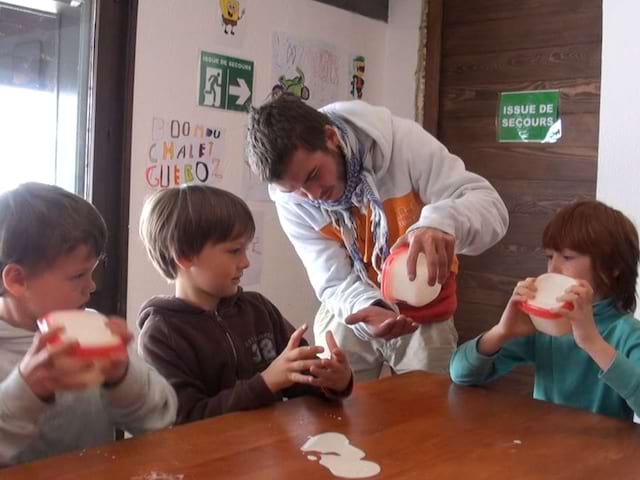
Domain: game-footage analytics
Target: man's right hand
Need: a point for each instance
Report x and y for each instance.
(383, 323)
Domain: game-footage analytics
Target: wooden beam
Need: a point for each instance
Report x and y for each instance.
(432, 66)
(376, 9)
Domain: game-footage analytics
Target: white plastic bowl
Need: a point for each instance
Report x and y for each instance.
(550, 287)
(396, 286)
(95, 341)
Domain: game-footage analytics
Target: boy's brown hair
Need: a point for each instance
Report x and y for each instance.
(609, 238)
(40, 223)
(179, 222)
(277, 130)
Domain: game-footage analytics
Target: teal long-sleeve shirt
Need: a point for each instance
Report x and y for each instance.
(564, 373)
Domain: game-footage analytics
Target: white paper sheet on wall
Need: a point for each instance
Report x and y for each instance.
(253, 190)
(305, 67)
(253, 274)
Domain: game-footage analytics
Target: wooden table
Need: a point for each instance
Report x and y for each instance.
(414, 426)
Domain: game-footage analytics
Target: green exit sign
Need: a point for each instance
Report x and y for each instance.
(532, 116)
(225, 82)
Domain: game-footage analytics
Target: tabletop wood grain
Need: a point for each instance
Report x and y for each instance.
(414, 426)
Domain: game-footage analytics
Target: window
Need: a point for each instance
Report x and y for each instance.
(45, 92)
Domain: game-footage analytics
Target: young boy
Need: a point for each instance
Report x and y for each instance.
(597, 367)
(221, 348)
(50, 243)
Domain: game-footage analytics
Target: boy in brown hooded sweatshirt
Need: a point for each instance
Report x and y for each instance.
(221, 348)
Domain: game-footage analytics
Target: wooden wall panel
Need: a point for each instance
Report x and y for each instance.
(493, 46)
(577, 95)
(465, 11)
(524, 31)
(577, 130)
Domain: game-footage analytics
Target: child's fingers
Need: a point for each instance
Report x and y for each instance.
(62, 348)
(570, 297)
(296, 337)
(304, 353)
(525, 292)
(297, 377)
(331, 341)
(339, 355)
(305, 365)
(118, 327)
(338, 361)
(69, 382)
(519, 298)
(69, 366)
(327, 378)
(42, 340)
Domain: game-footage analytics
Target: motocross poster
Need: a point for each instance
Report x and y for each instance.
(305, 67)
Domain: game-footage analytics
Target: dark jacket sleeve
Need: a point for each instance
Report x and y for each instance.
(176, 361)
(283, 331)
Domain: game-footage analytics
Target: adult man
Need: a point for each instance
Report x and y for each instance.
(351, 180)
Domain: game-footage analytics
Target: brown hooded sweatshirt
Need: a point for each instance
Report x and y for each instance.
(214, 359)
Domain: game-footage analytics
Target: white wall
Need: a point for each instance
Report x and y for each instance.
(619, 143)
(619, 150)
(169, 39)
(401, 56)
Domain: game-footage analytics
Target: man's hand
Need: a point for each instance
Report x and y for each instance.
(438, 248)
(383, 323)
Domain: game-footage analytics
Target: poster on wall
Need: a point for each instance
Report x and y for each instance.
(231, 22)
(529, 116)
(225, 82)
(252, 275)
(306, 68)
(253, 190)
(356, 75)
(182, 152)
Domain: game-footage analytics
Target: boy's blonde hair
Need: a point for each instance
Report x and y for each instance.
(40, 223)
(609, 238)
(179, 222)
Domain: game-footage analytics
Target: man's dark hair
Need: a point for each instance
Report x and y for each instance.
(279, 128)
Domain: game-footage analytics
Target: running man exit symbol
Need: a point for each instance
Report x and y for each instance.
(225, 82)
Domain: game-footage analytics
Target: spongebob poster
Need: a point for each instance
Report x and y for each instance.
(231, 21)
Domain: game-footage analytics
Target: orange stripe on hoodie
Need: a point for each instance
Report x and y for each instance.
(401, 212)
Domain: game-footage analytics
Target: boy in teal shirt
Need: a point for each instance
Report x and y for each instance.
(597, 367)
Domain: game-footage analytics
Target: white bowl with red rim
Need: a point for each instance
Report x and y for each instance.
(396, 286)
(541, 308)
(96, 342)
